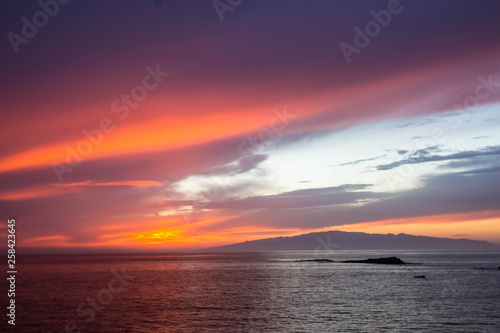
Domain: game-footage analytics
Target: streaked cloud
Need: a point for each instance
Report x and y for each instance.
(424, 156)
(121, 183)
(406, 136)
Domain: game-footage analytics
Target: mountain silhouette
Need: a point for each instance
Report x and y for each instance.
(341, 240)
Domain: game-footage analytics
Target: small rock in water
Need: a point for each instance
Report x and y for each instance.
(316, 260)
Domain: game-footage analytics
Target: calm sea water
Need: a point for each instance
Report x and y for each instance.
(257, 292)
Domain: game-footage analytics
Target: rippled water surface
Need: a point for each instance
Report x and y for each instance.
(258, 292)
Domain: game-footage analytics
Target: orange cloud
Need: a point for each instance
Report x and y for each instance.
(121, 183)
(213, 118)
(55, 240)
(60, 189)
(479, 226)
(33, 193)
(151, 135)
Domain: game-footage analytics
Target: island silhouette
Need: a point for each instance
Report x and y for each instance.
(341, 240)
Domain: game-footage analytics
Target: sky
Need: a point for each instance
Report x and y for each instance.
(180, 125)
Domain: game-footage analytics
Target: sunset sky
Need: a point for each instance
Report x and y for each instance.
(176, 124)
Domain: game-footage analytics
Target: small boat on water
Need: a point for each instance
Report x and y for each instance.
(419, 276)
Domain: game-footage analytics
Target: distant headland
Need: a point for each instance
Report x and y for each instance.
(341, 240)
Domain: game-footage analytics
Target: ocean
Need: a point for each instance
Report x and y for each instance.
(257, 292)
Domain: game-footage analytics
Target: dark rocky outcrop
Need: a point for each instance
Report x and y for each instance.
(383, 261)
(316, 260)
